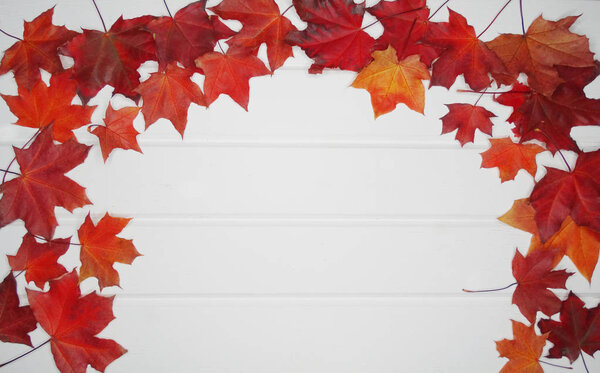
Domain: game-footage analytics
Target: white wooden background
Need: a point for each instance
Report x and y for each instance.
(302, 236)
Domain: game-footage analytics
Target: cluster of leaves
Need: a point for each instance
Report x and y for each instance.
(547, 68)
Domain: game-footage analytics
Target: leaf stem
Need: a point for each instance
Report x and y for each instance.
(288, 8)
(412, 26)
(494, 20)
(100, 15)
(438, 9)
(557, 149)
(489, 290)
(220, 47)
(554, 365)
(522, 21)
(582, 359)
(10, 35)
(168, 10)
(19, 274)
(481, 95)
(488, 93)
(393, 15)
(47, 240)
(25, 354)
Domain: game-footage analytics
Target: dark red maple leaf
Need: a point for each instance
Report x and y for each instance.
(42, 185)
(169, 93)
(535, 277)
(262, 23)
(229, 74)
(187, 35)
(560, 194)
(463, 54)
(118, 131)
(578, 76)
(44, 105)
(334, 37)
(38, 50)
(467, 118)
(578, 330)
(39, 259)
(112, 57)
(72, 321)
(15, 322)
(405, 22)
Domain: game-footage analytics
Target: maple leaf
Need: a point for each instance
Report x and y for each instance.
(15, 322)
(390, 81)
(229, 74)
(550, 118)
(37, 50)
(118, 131)
(44, 105)
(579, 76)
(546, 43)
(187, 35)
(334, 37)
(39, 260)
(510, 157)
(467, 118)
(101, 248)
(534, 277)
(404, 25)
(463, 54)
(579, 243)
(42, 185)
(524, 351)
(112, 57)
(262, 23)
(560, 194)
(168, 94)
(521, 216)
(72, 321)
(578, 330)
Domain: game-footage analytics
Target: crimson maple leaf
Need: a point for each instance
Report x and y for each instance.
(578, 330)
(334, 37)
(168, 94)
(112, 57)
(72, 321)
(39, 260)
(404, 22)
(510, 157)
(44, 105)
(118, 131)
(534, 277)
(42, 184)
(101, 248)
(463, 53)
(560, 194)
(38, 50)
(467, 118)
(229, 74)
(187, 35)
(262, 23)
(15, 322)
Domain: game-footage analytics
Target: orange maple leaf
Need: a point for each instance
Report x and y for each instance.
(118, 131)
(521, 216)
(390, 81)
(524, 351)
(510, 157)
(101, 248)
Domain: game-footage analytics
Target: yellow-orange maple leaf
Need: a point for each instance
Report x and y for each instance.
(524, 351)
(521, 216)
(390, 81)
(510, 157)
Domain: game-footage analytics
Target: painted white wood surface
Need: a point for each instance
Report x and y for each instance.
(303, 236)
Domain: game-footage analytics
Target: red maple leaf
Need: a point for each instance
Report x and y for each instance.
(229, 74)
(262, 23)
(38, 50)
(578, 330)
(39, 260)
(15, 322)
(168, 94)
(42, 184)
(467, 118)
(405, 22)
(334, 37)
(112, 57)
(72, 321)
(463, 54)
(510, 157)
(535, 277)
(118, 131)
(560, 194)
(101, 248)
(187, 35)
(44, 105)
